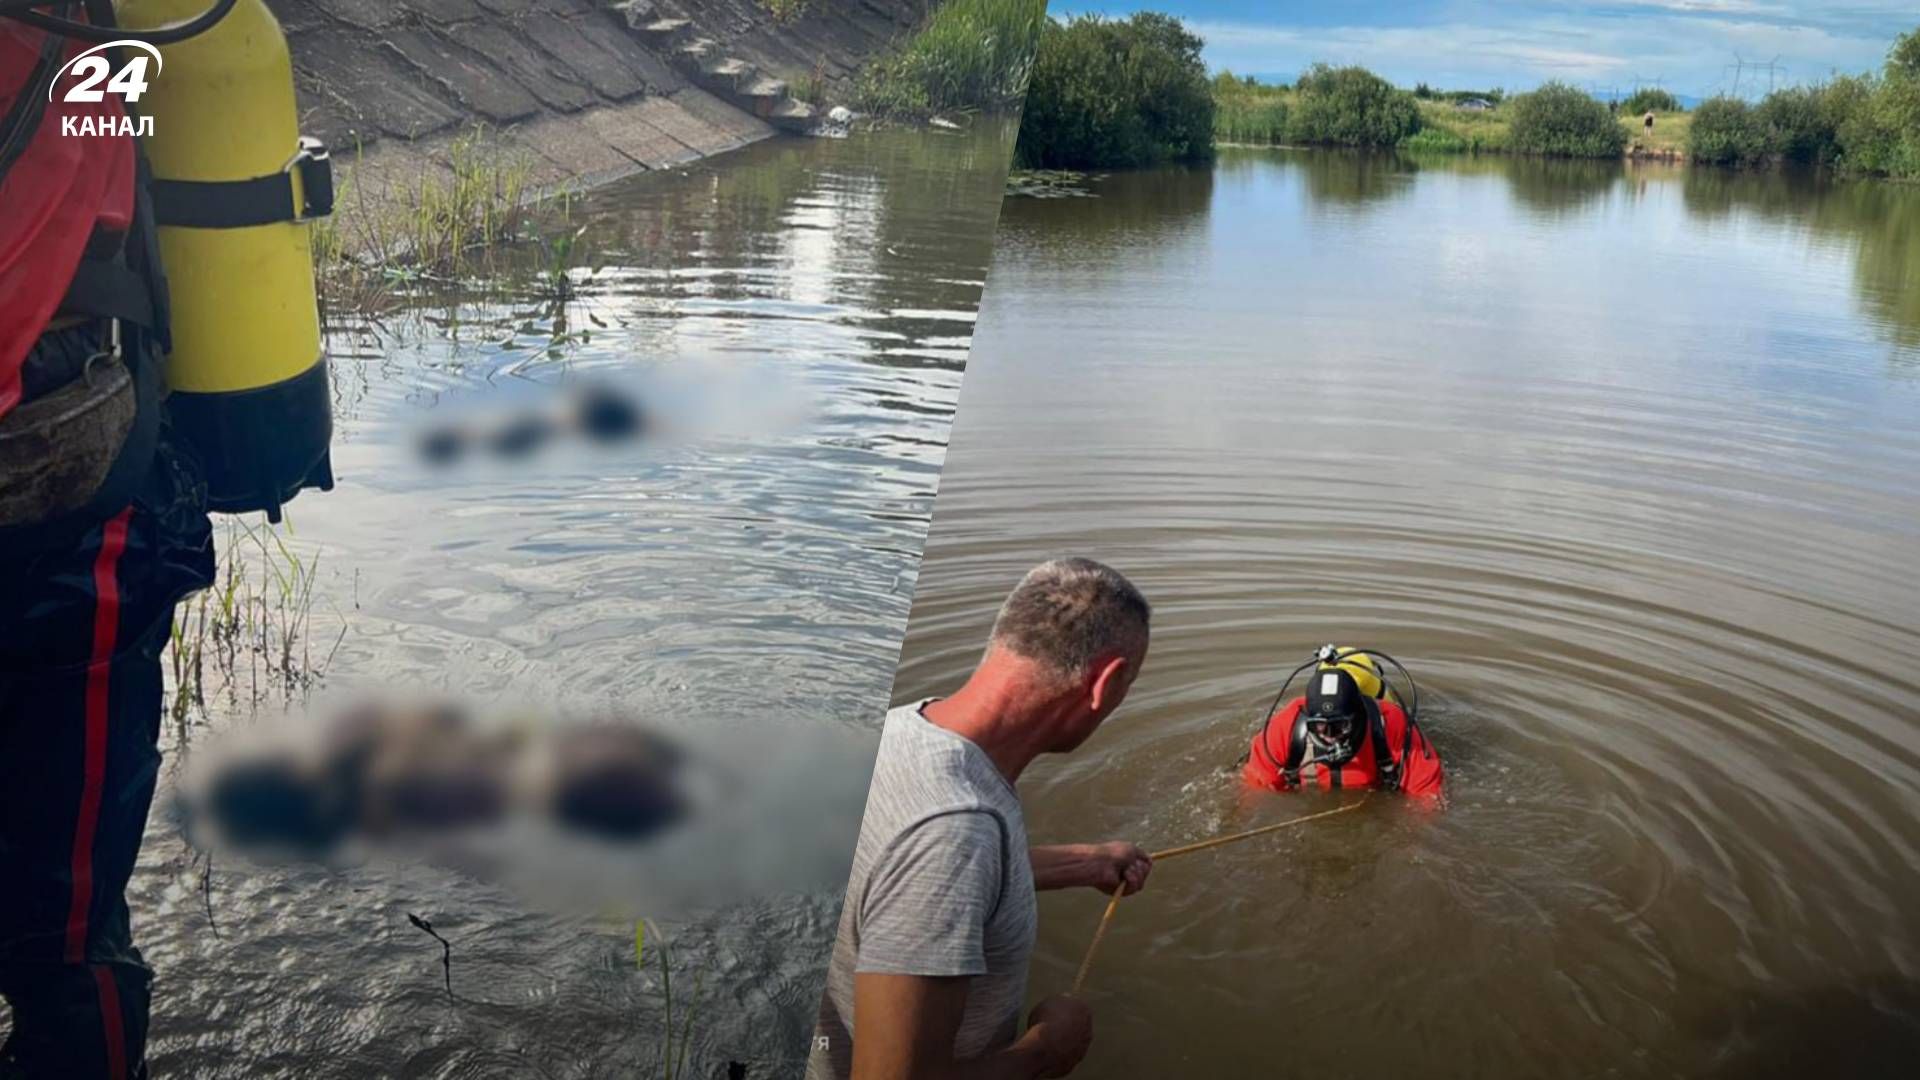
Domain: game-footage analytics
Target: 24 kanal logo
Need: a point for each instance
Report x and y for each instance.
(93, 78)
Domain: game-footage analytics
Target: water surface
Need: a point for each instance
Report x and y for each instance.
(1620, 460)
(753, 578)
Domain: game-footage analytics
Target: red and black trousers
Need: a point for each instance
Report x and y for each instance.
(84, 614)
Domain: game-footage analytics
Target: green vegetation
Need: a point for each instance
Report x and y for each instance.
(438, 228)
(1650, 99)
(1116, 93)
(1435, 140)
(1423, 92)
(1560, 121)
(1446, 127)
(1802, 124)
(1113, 94)
(672, 1064)
(1247, 111)
(787, 10)
(247, 640)
(1861, 124)
(971, 54)
(1350, 106)
(1727, 131)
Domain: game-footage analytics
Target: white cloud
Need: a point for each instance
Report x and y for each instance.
(1686, 45)
(1721, 7)
(1539, 54)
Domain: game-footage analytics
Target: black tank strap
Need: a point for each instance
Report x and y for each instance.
(257, 200)
(1383, 761)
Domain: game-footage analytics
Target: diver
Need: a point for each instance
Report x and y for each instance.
(126, 413)
(1349, 730)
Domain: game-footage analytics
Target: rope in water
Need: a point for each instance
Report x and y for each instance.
(1113, 904)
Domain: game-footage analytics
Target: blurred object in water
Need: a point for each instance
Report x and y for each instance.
(380, 771)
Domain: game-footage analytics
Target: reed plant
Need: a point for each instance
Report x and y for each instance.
(443, 227)
(1249, 112)
(248, 640)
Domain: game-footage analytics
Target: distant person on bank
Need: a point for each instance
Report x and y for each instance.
(929, 970)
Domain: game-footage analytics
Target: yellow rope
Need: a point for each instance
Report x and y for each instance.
(1086, 963)
(1113, 905)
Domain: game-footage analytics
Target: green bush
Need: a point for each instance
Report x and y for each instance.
(1116, 93)
(1650, 99)
(971, 54)
(1881, 134)
(1903, 60)
(1727, 131)
(1350, 106)
(1799, 125)
(1560, 121)
(1879, 125)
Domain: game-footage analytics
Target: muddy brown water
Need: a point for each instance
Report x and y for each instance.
(1621, 461)
(756, 578)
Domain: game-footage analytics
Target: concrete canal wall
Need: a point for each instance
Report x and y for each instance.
(587, 90)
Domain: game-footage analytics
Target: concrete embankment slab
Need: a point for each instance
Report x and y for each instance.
(573, 88)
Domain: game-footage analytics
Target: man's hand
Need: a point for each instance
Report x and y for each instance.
(1122, 866)
(1109, 866)
(1062, 1029)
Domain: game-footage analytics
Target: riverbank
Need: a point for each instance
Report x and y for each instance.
(558, 95)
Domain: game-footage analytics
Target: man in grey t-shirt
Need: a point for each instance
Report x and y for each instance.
(929, 970)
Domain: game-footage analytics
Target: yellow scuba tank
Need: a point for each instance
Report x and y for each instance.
(1365, 671)
(233, 189)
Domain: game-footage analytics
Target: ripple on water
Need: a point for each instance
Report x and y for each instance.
(1635, 499)
(755, 577)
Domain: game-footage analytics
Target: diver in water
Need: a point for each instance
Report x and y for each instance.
(1348, 730)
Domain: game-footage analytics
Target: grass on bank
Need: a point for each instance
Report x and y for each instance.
(248, 640)
(441, 229)
(970, 55)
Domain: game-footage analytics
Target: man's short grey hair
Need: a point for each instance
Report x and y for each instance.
(1067, 614)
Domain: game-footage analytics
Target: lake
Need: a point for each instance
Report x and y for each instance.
(1623, 461)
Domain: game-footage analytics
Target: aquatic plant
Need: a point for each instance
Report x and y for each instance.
(440, 226)
(1116, 93)
(672, 1063)
(1558, 120)
(248, 638)
(971, 54)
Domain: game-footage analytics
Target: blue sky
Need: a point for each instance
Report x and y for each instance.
(1688, 45)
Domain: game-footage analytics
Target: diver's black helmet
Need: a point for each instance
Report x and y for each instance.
(1335, 714)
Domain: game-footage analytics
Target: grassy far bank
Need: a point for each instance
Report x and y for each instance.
(970, 55)
(1119, 93)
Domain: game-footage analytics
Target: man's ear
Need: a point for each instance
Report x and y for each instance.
(1109, 682)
